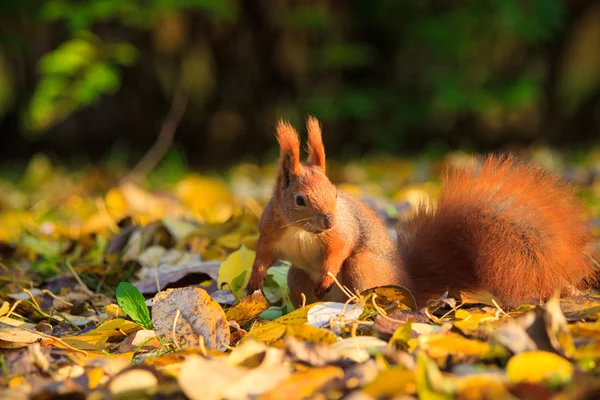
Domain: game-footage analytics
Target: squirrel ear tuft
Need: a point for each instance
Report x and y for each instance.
(289, 160)
(316, 151)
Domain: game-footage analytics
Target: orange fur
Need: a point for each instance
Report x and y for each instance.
(289, 144)
(509, 228)
(506, 227)
(316, 150)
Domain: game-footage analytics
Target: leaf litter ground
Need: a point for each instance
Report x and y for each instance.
(116, 290)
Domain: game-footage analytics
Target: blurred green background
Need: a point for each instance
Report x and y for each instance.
(87, 79)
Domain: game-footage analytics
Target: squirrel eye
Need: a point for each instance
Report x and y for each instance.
(300, 200)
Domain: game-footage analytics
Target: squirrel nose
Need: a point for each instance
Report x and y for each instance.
(327, 221)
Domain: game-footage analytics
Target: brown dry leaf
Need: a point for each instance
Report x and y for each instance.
(303, 385)
(391, 297)
(132, 342)
(200, 319)
(248, 308)
(479, 297)
(581, 307)
(314, 354)
(397, 318)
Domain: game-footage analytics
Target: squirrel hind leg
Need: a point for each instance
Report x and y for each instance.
(366, 270)
(300, 282)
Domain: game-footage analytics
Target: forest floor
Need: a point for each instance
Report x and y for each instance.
(112, 288)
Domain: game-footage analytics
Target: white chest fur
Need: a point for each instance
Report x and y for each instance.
(303, 249)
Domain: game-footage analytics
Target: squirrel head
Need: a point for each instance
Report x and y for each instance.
(305, 196)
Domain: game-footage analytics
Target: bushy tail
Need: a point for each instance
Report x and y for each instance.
(506, 227)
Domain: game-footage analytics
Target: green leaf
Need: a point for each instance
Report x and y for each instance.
(133, 304)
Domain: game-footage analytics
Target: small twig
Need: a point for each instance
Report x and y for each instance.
(342, 288)
(65, 319)
(173, 332)
(36, 304)
(382, 312)
(12, 309)
(78, 279)
(55, 297)
(165, 135)
(55, 338)
(156, 275)
(495, 303)
(202, 346)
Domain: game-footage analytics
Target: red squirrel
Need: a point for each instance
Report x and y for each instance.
(507, 227)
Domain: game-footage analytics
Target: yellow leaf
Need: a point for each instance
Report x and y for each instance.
(470, 322)
(94, 376)
(116, 205)
(237, 262)
(114, 311)
(249, 308)
(116, 328)
(303, 385)
(86, 341)
(392, 382)
(440, 345)
(389, 295)
(482, 387)
(209, 199)
(16, 335)
(309, 333)
(268, 333)
(4, 308)
(538, 366)
(274, 330)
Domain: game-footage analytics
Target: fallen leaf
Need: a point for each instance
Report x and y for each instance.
(206, 379)
(390, 298)
(132, 380)
(307, 384)
(479, 297)
(236, 264)
(248, 308)
(580, 307)
(201, 319)
(539, 366)
(309, 333)
(116, 328)
(323, 314)
(392, 382)
(16, 335)
(439, 346)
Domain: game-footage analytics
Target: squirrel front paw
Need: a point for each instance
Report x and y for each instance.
(323, 288)
(254, 284)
